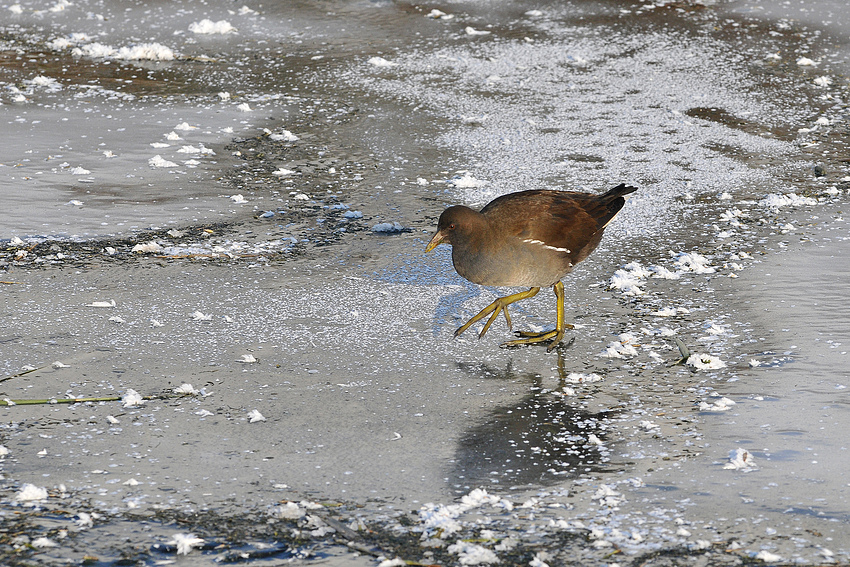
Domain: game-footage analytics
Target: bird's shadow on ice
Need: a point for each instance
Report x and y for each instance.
(435, 269)
(450, 304)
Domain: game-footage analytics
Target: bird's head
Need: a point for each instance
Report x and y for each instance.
(454, 220)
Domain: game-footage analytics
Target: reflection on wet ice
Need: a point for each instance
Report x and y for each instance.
(539, 440)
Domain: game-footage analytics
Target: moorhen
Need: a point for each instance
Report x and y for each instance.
(530, 238)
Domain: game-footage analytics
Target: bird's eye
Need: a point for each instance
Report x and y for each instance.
(452, 226)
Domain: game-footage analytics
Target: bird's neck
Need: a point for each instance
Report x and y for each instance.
(477, 234)
(477, 250)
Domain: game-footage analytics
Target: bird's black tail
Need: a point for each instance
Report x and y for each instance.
(619, 191)
(613, 201)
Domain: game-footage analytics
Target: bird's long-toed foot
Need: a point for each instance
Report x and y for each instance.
(553, 337)
(498, 306)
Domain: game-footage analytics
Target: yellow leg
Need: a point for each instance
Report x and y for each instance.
(498, 306)
(554, 336)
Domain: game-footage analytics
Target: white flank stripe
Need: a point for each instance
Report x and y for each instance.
(555, 248)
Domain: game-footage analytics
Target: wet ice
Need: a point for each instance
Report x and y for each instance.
(571, 108)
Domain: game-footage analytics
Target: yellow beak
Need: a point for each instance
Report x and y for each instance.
(435, 241)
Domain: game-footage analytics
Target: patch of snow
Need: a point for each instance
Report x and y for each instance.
(131, 399)
(693, 262)
(777, 201)
(472, 31)
(578, 378)
(284, 136)
(388, 227)
(147, 248)
(380, 62)
(466, 181)
(185, 543)
(705, 362)
(723, 404)
(31, 493)
(208, 27)
(472, 554)
(437, 15)
(741, 460)
(159, 161)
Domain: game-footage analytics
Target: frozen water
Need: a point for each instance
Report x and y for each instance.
(269, 176)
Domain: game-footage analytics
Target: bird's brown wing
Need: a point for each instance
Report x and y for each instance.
(563, 220)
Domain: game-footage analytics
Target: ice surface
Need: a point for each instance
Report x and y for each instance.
(366, 396)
